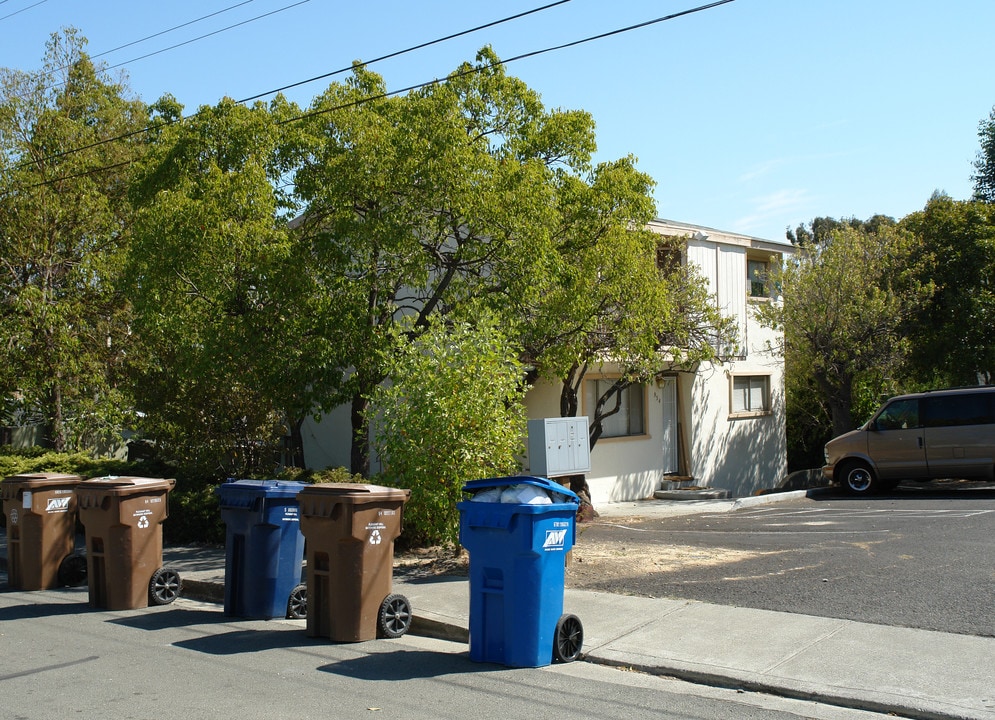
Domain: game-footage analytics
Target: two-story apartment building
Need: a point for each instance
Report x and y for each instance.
(719, 425)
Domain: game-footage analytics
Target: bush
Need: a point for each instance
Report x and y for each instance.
(194, 507)
(454, 412)
(194, 516)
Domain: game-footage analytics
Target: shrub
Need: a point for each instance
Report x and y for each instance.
(453, 412)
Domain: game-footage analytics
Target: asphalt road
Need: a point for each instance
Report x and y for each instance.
(920, 557)
(187, 660)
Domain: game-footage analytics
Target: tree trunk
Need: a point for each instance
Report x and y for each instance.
(360, 449)
(296, 449)
(569, 392)
(840, 409)
(57, 431)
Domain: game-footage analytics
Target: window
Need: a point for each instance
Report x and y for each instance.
(629, 420)
(898, 415)
(668, 257)
(750, 394)
(955, 410)
(756, 278)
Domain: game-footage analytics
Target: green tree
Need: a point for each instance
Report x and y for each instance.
(821, 230)
(226, 318)
(846, 304)
(63, 232)
(464, 194)
(455, 412)
(613, 302)
(984, 164)
(953, 338)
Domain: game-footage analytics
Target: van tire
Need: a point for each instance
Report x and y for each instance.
(857, 478)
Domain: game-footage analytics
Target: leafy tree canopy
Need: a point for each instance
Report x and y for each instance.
(953, 338)
(847, 301)
(984, 164)
(63, 233)
(464, 195)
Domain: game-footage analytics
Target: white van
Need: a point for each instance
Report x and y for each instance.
(923, 436)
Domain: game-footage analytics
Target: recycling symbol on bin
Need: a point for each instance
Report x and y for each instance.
(13, 516)
(375, 538)
(143, 521)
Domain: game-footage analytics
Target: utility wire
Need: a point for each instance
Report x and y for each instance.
(168, 30)
(141, 40)
(361, 101)
(402, 52)
(125, 136)
(191, 40)
(18, 12)
(523, 56)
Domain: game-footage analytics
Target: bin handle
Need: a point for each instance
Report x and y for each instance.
(501, 521)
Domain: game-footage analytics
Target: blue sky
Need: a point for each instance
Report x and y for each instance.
(753, 116)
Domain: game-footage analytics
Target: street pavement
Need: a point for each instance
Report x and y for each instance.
(908, 672)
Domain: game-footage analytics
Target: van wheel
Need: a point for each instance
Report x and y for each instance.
(858, 479)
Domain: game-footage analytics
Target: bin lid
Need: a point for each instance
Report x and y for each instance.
(29, 482)
(114, 485)
(356, 492)
(475, 486)
(37, 479)
(242, 492)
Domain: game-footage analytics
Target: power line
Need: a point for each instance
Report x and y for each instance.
(381, 96)
(169, 30)
(191, 40)
(133, 133)
(210, 34)
(402, 52)
(523, 56)
(147, 37)
(18, 12)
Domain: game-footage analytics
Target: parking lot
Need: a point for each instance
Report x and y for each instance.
(923, 557)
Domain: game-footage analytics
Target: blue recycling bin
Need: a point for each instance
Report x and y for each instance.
(517, 565)
(264, 546)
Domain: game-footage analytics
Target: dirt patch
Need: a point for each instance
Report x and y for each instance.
(593, 562)
(426, 562)
(601, 563)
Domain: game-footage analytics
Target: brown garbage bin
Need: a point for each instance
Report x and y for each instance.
(349, 531)
(41, 531)
(122, 518)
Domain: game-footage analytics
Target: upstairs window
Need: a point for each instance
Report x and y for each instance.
(757, 272)
(668, 257)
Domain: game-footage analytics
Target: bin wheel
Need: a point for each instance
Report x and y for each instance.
(72, 570)
(569, 638)
(297, 604)
(164, 587)
(395, 616)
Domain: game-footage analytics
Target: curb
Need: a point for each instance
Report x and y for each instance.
(203, 591)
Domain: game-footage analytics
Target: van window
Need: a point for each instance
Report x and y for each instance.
(898, 415)
(950, 410)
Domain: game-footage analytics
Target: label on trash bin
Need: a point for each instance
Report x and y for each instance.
(291, 514)
(143, 518)
(26, 500)
(375, 529)
(57, 505)
(556, 539)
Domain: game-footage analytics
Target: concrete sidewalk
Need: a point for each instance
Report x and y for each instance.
(911, 673)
